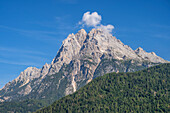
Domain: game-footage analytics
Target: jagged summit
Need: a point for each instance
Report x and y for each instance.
(152, 57)
(139, 49)
(79, 58)
(81, 36)
(153, 53)
(28, 74)
(82, 31)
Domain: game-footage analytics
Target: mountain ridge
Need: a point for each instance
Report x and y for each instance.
(84, 51)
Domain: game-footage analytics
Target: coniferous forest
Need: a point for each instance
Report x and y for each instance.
(25, 106)
(142, 91)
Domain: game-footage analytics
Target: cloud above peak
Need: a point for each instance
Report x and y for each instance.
(107, 28)
(94, 20)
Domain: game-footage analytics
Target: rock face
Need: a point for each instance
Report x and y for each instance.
(81, 58)
(152, 57)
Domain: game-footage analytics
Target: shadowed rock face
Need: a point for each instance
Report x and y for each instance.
(81, 58)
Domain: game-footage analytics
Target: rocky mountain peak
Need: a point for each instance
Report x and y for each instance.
(95, 32)
(45, 70)
(81, 36)
(139, 49)
(70, 47)
(30, 69)
(153, 53)
(152, 57)
(46, 65)
(79, 59)
(101, 36)
(68, 40)
(82, 31)
(28, 74)
(104, 43)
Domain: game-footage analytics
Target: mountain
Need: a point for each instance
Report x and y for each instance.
(82, 57)
(26, 106)
(142, 91)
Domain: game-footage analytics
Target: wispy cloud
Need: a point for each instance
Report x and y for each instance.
(36, 34)
(129, 29)
(27, 31)
(22, 57)
(161, 26)
(58, 23)
(63, 22)
(7, 49)
(161, 36)
(28, 63)
(147, 31)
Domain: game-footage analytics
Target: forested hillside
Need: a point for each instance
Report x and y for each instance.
(25, 106)
(142, 91)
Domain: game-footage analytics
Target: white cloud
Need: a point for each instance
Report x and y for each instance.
(91, 20)
(94, 20)
(107, 28)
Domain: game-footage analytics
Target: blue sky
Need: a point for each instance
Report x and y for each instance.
(31, 31)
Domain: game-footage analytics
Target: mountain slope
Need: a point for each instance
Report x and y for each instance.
(142, 91)
(26, 106)
(81, 58)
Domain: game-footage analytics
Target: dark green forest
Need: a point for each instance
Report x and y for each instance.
(25, 106)
(142, 91)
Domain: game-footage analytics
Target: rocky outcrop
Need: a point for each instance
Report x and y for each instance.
(152, 57)
(81, 57)
(70, 47)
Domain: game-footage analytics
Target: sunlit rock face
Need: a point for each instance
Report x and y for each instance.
(81, 57)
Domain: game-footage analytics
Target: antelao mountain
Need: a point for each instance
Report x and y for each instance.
(81, 58)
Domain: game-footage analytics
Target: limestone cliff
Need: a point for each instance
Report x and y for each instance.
(81, 57)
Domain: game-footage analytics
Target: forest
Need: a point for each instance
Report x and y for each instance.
(141, 91)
